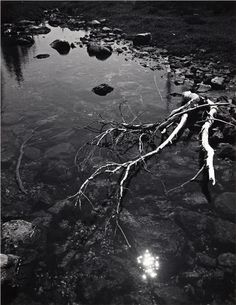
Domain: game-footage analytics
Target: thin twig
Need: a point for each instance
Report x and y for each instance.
(186, 182)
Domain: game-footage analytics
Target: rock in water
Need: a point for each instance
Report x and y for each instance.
(226, 151)
(8, 265)
(227, 261)
(62, 46)
(102, 89)
(225, 204)
(17, 233)
(41, 56)
(101, 52)
(142, 39)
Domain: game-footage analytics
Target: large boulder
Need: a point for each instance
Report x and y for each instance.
(101, 52)
(102, 89)
(8, 266)
(62, 46)
(142, 39)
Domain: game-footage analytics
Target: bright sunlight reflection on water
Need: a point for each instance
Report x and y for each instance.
(149, 264)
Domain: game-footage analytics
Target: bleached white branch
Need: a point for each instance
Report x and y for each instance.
(205, 141)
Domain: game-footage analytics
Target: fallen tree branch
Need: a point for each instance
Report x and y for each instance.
(205, 141)
(119, 137)
(186, 182)
(18, 177)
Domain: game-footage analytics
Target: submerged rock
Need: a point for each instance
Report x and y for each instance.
(227, 261)
(60, 151)
(225, 204)
(62, 46)
(55, 171)
(224, 233)
(101, 52)
(17, 233)
(226, 151)
(41, 56)
(142, 39)
(196, 200)
(8, 266)
(102, 89)
(205, 260)
(60, 206)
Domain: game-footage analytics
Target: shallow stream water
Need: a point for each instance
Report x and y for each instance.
(53, 97)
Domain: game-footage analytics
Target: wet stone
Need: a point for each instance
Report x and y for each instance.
(101, 52)
(60, 151)
(42, 219)
(142, 39)
(224, 233)
(17, 233)
(226, 151)
(42, 56)
(195, 200)
(8, 265)
(102, 89)
(7, 157)
(193, 223)
(205, 260)
(60, 206)
(227, 261)
(225, 204)
(32, 153)
(62, 46)
(55, 171)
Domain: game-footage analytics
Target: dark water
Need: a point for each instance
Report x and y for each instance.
(55, 95)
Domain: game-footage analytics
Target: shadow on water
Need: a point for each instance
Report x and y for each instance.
(15, 58)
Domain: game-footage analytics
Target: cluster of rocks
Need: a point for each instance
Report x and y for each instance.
(200, 75)
(22, 32)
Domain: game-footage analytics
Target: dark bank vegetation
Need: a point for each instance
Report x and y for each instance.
(180, 27)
